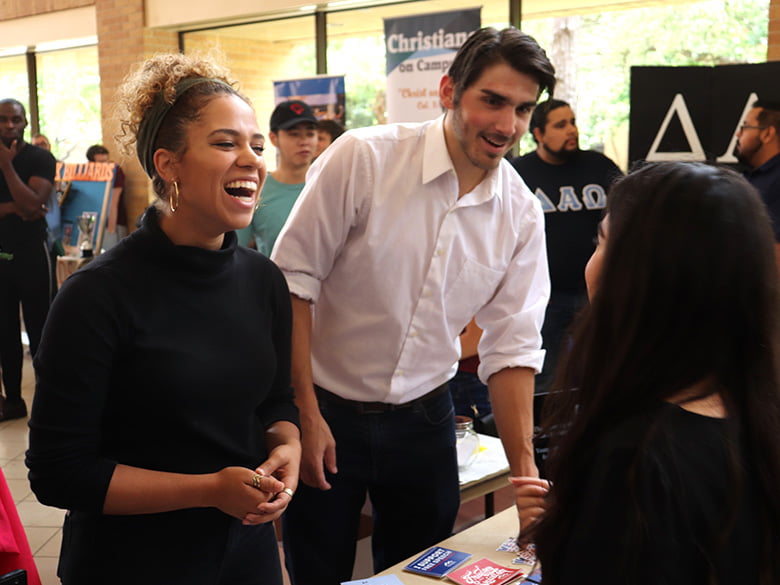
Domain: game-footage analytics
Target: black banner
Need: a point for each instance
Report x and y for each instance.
(693, 113)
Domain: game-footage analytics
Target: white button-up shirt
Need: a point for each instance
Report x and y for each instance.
(396, 265)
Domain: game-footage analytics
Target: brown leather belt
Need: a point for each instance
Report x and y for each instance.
(376, 407)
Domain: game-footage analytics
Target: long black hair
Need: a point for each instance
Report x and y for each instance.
(688, 292)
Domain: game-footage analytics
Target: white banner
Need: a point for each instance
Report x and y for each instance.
(419, 50)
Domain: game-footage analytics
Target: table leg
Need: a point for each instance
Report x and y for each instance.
(490, 505)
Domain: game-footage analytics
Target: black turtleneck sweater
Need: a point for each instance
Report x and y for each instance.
(163, 357)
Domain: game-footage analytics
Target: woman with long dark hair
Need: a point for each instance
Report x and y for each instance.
(665, 461)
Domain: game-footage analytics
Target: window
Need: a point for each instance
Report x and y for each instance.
(607, 44)
(13, 79)
(259, 54)
(69, 101)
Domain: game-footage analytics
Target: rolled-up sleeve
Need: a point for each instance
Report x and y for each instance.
(279, 405)
(323, 215)
(513, 318)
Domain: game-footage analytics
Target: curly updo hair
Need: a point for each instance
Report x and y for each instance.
(156, 79)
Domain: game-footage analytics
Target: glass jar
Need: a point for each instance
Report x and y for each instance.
(466, 441)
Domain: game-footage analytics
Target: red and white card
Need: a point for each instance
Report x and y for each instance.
(485, 572)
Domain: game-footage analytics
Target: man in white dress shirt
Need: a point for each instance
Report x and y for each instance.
(402, 234)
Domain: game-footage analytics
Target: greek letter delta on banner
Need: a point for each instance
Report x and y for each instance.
(693, 113)
(419, 50)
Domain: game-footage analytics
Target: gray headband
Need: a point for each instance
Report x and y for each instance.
(153, 119)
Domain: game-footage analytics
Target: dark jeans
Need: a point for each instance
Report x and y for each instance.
(561, 310)
(25, 280)
(405, 460)
(469, 393)
(471, 398)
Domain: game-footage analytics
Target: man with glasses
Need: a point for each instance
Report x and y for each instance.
(758, 146)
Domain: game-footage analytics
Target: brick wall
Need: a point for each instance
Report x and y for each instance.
(255, 65)
(773, 50)
(10, 9)
(122, 44)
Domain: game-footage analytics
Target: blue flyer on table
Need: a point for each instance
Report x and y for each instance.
(437, 562)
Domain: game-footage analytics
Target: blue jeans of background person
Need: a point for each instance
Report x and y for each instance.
(406, 461)
(561, 310)
(472, 399)
(469, 393)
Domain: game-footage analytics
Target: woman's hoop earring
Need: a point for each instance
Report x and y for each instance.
(176, 192)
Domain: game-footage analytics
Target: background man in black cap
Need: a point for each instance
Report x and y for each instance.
(294, 134)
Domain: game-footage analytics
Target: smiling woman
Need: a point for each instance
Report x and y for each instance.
(191, 171)
(163, 417)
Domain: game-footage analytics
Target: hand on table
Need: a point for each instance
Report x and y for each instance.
(530, 495)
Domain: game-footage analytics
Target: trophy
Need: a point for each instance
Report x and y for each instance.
(86, 222)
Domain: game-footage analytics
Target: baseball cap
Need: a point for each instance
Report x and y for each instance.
(288, 114)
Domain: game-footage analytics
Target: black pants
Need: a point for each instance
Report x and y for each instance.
(24, 281)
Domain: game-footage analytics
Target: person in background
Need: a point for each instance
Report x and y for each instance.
(116, 226)
(53, 218)
(402, 234)
(669, 467)
(41, 141)
(26, 184)
(163, 417)
(758, 147)
(327, 132)
(470, 396)
(572, 185)
(294, 134)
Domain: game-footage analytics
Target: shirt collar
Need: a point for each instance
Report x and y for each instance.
(767, 166)
(436, 158)
(437, 161)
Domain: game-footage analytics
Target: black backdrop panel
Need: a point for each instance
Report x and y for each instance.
(715, 99)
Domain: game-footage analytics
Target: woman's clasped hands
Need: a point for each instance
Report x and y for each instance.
(259, 496)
